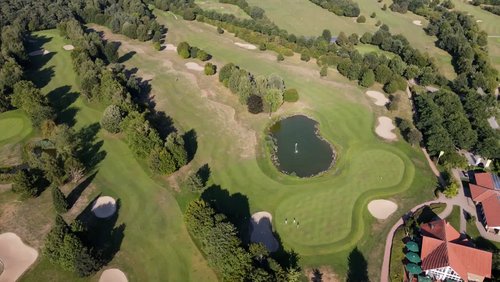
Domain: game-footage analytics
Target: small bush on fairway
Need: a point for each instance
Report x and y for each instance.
(373, 15)
(304, 57)
(361, 19)
(186, 51)
(291, 95)
(112, 118)
(210, 69)
(280, 58)
(324, 71)
(220, 30)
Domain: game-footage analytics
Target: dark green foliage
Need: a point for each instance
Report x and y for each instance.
(324, 71)
(210, 69)
(53, 168)
(59, 200)
(361, 19)
(225, 73)
(291, 95)
(175, 145)
(161, 161)
(183, 50)
(220, 30)
(25, 183)
(357, 267)
(327, 35)
(305, 57)
(29, 99)
(373, 15)
(339, 7)
(262, 47)
(255, 104)
(202, 55)
(383, 74)
(189, 15)
(64, 248)
(195, 182)
(280, 58)
(141, 137)
(111, 52)
(384, 7)
(112, 118)
(366, 38)
(353, 39)
(367, 78)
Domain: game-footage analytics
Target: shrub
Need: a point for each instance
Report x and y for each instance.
(280, 58)
(304, 57)
(366, 38)
(378, 23)
(367, 79)
(373, 15)
(262, 47)
(220, 30)
(361, 19)
(183, 49)
(390, 87)
(255, 104)
(324, 71)
(112, 118)
(203, 55)
(210, 69)
(451, 190)
(157, 46)
(59, 200)
(384, 7)
(25, 183)
(291, 95)
(188, 15)
(414, 137)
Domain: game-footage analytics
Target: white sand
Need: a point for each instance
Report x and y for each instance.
(38, 53)
(194, 66)
(417, 22)
(68, 47)
(113, 275)
(380, 99)
(262, 230)
(15, 256)
(104, 207)
(493, 123)
(382, 209)
(431, 88)
(246, 46)
(479, 21)
(170, 47)
(385, 127)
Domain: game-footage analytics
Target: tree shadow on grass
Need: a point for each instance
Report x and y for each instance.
(78, 190)
(425, 214)
(357, 267)
(126, 57)
(101, 234)
(61, 99)
(90, 152)
(191, 145)
(286, 258)
(234, 206)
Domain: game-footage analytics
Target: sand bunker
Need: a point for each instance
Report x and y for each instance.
(104, 207)
(479, 21)
(38, 52)
(113, 275)
(417, 22)
(15, 256)
(262, 231)
(385, 127)
(194, 66)
(382, 209)
(170, 47)
(246, 46)
(68, 47)
(380, 99)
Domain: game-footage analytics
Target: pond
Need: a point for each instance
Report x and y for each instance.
(299, 149)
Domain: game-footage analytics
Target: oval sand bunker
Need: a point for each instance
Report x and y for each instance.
(380, 99)
(417, 22)
(113, 275)
(385, 127)
(194, 66)
(262, 231)
(15, 256)
(246, 46)
(104, 207)
(68, 47)
(382, 209)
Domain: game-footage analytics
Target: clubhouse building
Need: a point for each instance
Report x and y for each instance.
(486, 195)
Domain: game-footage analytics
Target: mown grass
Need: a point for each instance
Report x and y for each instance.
(211, 5)
(156, 245)
(454, 218)
(15, 129)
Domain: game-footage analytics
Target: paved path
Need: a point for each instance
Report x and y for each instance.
(434, 168)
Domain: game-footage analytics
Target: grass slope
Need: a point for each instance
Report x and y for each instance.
(212, 5)
(331, 208)
(156, 245)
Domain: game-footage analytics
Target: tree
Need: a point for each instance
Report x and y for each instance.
(414, 137)
(210, 69)
(112, 118)
(361, 19)
(324, 71)
(202, 55)
(29, 99)
(183, 49)
(59, 200)
(367, 78)
(354, 39)
(383, 74)
(255, 104)
(273, 100)
(327, 35)
(391, 87)
(373, 15)
(25, 183)
(189, 15)
(220, 30)
(366, 38)
(175, 145)
(111, 52)
(226, 72)
(52, 168)
(291, 95)
(384, 7)
(262, 47)
(305, 57)
(195, 183)
(280, 57)
(451, 190)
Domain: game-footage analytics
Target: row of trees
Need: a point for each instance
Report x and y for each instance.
(259, 93)
(224, 250)
(346, 8)
(129, 17)
(110, 85)
(186, 51)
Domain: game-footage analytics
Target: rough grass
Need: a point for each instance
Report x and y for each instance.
(224, 8)
(310, 20)
(156, 245)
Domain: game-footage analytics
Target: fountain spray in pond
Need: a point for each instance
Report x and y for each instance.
(296, 150)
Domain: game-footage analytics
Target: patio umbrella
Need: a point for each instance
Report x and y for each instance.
(413, 257)
(424, 279)
(413, 268)
(412, 246)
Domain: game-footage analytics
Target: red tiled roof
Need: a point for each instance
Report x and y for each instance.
(442, 247)
(486, 194)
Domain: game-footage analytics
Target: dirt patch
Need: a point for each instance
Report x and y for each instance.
(68, 47)
(113, 275)
(417, 22)
(5, 187)
(380, 99)
(11, 155)
(382, 209)
(194, 66)
(262, 230)
(245, 45)
(38, 53)
(104, 207)
(15, 256)
(321, 274)
(385, 127)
